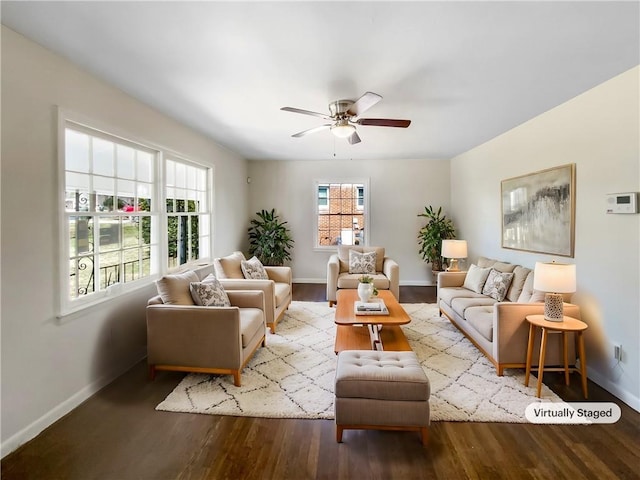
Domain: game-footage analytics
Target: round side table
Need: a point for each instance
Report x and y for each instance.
(569, 324)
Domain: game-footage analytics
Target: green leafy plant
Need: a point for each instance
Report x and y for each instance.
(366, 279)
(269, 238)
(430, 237)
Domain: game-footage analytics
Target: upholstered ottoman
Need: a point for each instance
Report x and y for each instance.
(381, 390)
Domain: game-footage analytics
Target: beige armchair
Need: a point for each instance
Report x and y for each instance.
(386, 277)
(191, 338)
(277, 289)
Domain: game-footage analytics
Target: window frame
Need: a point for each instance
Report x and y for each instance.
(317, 183)
(159, 254)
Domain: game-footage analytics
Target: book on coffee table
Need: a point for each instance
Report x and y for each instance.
(375, 307)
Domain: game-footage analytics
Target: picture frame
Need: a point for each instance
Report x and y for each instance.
(538, 211)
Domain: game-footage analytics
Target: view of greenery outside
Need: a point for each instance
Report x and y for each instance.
(124, 250)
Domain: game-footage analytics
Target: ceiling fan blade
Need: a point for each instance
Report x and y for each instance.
(354, 138)
(384, 122)
(312, 130)
(306, 112)
(365, 102)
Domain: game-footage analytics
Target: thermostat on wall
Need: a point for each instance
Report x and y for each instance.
(622, 202)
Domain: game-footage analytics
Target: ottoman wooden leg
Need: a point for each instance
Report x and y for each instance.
(338, 434)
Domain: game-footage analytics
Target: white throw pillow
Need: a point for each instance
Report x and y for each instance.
(362, 262)
(497, 284)
(209, 293)
(476, 278)
(253, 269)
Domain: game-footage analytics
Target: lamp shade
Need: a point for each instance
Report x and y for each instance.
(343, 129)
(554, 277)
(454, 248)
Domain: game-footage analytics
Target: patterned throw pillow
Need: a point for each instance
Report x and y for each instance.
(362, 262)
(209, 293)
(253, 269)
(497, 284)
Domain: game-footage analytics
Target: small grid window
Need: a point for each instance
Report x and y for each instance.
(341, 215)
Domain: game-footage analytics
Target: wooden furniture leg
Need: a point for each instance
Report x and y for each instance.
(583, 363)
(543, 350)
(532, 334)
(565, 354)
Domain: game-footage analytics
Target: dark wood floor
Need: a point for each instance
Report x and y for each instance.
(117, 434)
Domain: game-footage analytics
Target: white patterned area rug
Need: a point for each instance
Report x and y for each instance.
(293, 376)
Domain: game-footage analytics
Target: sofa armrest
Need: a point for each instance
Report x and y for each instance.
(280, 274)
(391, 270)
(268, 287)
(247, 298)
(451, 279)
(511, 329)
(333, 270)
(194, 336)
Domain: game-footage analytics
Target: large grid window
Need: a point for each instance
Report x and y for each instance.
(187, 210)
(109, 194)
(341, 214)
(130, 214)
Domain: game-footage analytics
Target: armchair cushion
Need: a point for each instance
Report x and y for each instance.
(209, 293)
(362, 262)
(251, 324)
(174, 289)
(253, 269)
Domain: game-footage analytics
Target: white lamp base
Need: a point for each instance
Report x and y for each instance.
(553, 307)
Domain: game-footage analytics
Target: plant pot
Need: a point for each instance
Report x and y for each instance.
(365, 291)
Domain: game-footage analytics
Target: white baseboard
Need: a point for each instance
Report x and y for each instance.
(309, 280)
(614, 389)
(35, 428)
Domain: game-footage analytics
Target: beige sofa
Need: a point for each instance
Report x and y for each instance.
(182, 336)
(277, 289)
(499, 328)
(386, 277)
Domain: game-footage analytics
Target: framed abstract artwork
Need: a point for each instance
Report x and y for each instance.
(538, 211)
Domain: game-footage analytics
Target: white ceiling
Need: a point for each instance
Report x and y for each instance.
(463, 72)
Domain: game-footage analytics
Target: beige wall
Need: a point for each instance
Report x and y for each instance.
(48, 365)
(599, 132)
(399, 190)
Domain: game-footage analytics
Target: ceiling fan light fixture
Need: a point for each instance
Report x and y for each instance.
(343, 129)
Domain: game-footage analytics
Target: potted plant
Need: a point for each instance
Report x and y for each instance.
(430, 237)
(269, 238)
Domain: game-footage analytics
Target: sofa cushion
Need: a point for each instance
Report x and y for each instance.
(460, 304)
(449, 293)
(519, 277)
(527, 289)
(174, 289)
(251, 322)
(351, 280)
(481, 319)
(497, 284)
(504, 267)
(209, 293)
(253, 269)
(343, 255)
(476, 277)
(484, 262)
(229, 266)
(362, 262)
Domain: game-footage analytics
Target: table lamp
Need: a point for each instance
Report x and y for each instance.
(554, 279)
(453, 250)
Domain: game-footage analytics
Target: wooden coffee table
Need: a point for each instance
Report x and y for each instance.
(362, 332)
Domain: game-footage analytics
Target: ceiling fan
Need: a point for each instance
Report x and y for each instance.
(345, 115)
